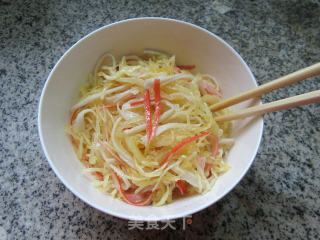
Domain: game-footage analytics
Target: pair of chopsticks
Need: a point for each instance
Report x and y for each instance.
(290, 102)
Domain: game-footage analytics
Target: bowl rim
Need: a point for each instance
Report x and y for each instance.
(110, 211)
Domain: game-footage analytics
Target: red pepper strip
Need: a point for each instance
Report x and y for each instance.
(208, 168)
(100, 175)
(212, 91)
(210, 165)
(178, 69)
(139, 102)
(131, 198)
(107, 106)
(186, 67)
(209, 89)
(181, 186)
(147, 111)
(85, 158)
(181, 144)
(215, 147)
(157, 98)
(73, 141)
(73, 115)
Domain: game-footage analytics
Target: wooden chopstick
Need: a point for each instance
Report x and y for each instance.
(290, 102)
(291, 78)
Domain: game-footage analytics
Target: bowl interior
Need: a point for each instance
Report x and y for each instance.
(191, 45)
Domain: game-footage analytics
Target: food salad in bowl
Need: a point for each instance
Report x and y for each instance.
(125, 119)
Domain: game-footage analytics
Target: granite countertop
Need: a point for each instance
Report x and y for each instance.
(279, 198)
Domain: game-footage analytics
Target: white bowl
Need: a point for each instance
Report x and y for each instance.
(191, 45)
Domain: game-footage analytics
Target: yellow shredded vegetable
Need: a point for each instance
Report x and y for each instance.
(143, 127)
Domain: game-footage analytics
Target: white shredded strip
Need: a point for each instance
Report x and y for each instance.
(101, 60)
(166, 127)
(123, 155)
(96, 96)
(79, 121)
(228, 141)
(148, 83)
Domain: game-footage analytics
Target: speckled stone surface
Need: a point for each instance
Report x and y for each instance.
(279, 198)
